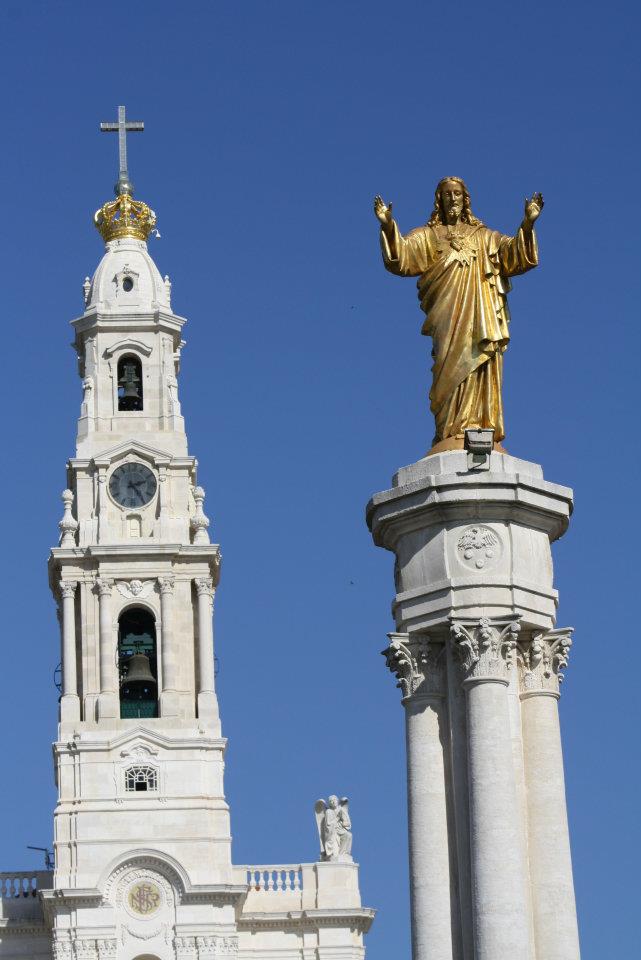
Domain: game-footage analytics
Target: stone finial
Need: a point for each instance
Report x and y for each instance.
(334, 829)
(485, 649)
(417, 664)
(68, 525)
(167, 283)
(86, 290)
(199, 522)
(541, 661)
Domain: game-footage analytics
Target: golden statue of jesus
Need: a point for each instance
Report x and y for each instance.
(463, 271)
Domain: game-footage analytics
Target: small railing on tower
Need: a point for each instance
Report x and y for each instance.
(22, 884)
(273, 878)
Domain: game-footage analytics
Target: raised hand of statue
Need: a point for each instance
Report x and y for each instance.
(383, 211)
(533, 209)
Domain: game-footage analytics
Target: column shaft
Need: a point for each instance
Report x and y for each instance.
(428, 829)
(207, 703)
(499, 872)
(169, 698)
(205, 642)
(70, 703)
(108, 702)
(555, 923)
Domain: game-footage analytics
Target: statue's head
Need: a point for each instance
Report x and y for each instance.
(333, 802)
(452, 203)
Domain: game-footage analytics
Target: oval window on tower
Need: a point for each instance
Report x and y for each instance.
(127, 284)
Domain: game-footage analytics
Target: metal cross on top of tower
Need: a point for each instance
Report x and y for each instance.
(122, 127)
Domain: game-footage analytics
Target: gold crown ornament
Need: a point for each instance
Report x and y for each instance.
(125, 217)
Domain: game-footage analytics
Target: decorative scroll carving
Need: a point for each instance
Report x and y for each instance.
(417, 663)
(486, 648)
(85, 949)
(135, 589)
(185, 947)
(68, 525)
(210, 948)
(199, 522)
(61, 949)
(542, 660)
(107, 949)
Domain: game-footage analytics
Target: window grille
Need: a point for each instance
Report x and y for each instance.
(141, 779)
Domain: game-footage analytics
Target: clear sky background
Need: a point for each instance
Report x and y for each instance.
(269, 128)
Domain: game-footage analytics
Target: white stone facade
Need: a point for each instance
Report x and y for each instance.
(478, 661)
(142, 837)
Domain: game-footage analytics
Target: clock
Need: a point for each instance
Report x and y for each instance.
(132, 485)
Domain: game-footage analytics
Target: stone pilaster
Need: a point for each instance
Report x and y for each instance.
(70, 702)
(500, 896)
(541, 660)
(108, 702)
(418, 663)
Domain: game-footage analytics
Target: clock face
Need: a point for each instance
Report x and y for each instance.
(132, 485)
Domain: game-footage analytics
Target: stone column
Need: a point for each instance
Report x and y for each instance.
(418, 664)
(500, 913)
(555, 925)
(108, 701)
(169, 706)
(70, 702)
(207, 703)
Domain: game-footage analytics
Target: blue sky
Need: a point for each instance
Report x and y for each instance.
(269, 128)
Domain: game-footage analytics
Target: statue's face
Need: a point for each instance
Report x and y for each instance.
(333, 802)
(452, 198)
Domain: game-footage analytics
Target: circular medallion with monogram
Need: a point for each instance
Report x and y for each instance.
(144, 898)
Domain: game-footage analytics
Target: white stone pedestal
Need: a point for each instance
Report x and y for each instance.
(477, 658)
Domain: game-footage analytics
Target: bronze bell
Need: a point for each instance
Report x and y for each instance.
(130, 383)
(139, 671)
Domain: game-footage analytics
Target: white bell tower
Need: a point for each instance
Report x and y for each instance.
(141, 827)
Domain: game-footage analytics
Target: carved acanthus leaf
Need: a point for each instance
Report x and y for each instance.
(485, 648)
(416, 662)
(542, 660)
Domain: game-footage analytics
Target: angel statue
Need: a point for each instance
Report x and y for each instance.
(334, 829)
(463, 270)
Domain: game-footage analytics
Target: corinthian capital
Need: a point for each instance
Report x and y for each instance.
(541, 661)
(485, 648)
(104, 586)
(166, 584)
(417, 663)
(204, 585)
(68, 588)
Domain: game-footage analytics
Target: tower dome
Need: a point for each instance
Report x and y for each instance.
(127, 279)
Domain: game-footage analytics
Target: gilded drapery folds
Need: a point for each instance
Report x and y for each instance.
(463, 271)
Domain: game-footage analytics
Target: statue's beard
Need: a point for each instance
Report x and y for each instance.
(452, 213)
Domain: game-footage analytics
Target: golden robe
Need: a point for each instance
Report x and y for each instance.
(463, 284)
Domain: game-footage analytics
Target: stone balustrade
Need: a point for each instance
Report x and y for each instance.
(24, 883)
(271, 878)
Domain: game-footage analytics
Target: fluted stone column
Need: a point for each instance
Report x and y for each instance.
(555, 924)
(418, 664)
(500, 913)
(70, 702)
(169, 698)
(207, 703)
(108, 701)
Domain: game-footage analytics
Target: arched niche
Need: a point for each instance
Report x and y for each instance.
(137, 663)
(130, 386)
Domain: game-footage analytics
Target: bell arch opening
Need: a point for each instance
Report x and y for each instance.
(137, 663)
(130, 383)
